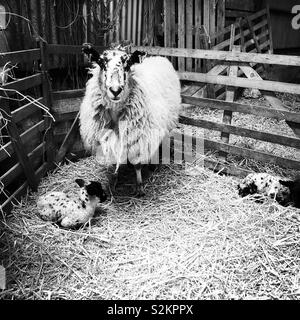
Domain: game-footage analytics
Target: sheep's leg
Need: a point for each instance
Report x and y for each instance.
(115, 179)
(139, 181)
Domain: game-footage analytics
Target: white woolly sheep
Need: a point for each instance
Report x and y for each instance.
(285, 192)
(71, 212)
(131, 103)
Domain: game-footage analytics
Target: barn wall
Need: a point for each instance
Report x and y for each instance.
(284, 36)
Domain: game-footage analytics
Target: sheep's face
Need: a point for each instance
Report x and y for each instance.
(264, 184)
(115, 66)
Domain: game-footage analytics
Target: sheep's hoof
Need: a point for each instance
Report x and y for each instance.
(140, 192)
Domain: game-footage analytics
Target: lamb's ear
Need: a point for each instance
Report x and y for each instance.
(92, 54)
(136, 57)
(80, 182)
(102, 62)
(288, 183)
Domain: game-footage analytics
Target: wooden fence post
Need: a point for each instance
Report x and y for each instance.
(47, 94)
(19, 147)
(230, 92)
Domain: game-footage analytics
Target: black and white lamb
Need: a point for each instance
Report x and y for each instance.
(285, 192)
(131, 103)
(68, 211)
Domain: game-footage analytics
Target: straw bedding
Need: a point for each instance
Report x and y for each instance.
(191, 237)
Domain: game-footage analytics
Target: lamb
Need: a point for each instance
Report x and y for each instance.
(70, 212)
(285, 192)
(131, 103)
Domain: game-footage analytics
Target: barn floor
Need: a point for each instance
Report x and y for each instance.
(191, 237)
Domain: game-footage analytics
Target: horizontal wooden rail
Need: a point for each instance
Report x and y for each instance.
(243, 108)
(68, 94)
(65, 116)
(266, 85)
(243, 132)
(7, 150)
(252, 154)
(69, 49)
(223, 55)
(20, 56)
(8, 203)
(243, 152)
(14, 172)
(23, 84)
(237, 24)
(226, 43)
(25, 111)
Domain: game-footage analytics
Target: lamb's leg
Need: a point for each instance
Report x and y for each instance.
(139, 181)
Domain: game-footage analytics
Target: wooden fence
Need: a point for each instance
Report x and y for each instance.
(21, 161)
(27, 155)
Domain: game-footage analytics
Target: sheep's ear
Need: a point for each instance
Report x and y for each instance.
(92, 54)
(136, 57)
(288, 183)
(80, 182)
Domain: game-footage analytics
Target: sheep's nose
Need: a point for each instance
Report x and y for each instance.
(114, 91)
(272, 195)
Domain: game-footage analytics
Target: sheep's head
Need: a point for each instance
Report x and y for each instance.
(115, 64)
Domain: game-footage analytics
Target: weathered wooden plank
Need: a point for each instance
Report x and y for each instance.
(59, 117)
(227, 29)
(270, 30)
(68, 94)
(223, 55)
(134, 21)
(252, 154)
(259, 37)
(167, 23)
(206, 15)
(12, 200)
(15, 171)
(18, 147)
(48, 101)
(22, 84)
(68, 141)
(243, 132)
(224, 44)
(215, 70)
(198, 23)
(20, 56)
(246, 153)
(7, 150)
(123, 22)
(230, 92)
(241, 82)
(140, 18)
(8, 204)
(25, 111)
(129, 20)
(220, 18)
(12, 174)
(242, 108)
(69, 49)
(181, 34)
(189, 29)
(253, 35)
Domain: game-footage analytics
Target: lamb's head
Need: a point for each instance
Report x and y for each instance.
(115, 65)
(91, 191)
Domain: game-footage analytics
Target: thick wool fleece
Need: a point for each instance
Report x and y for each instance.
(135, 127)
